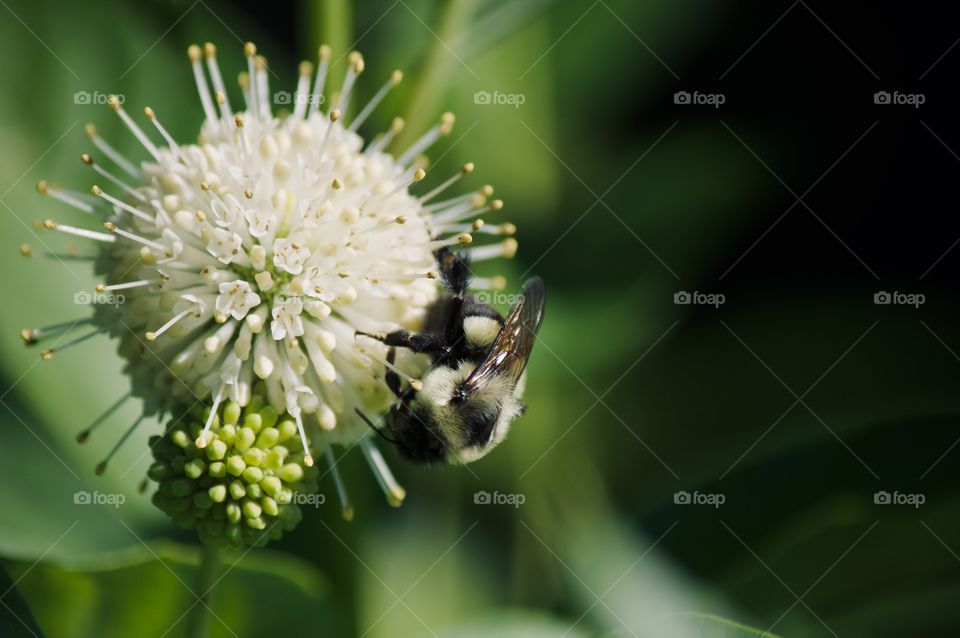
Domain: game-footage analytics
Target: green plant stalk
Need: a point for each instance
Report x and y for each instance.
(198, 621)
(329, 22)
(434, 75)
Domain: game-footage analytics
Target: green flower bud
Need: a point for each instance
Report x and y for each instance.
(236, 489)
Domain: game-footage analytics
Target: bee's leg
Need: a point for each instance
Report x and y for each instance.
(455, 269)
(392, 378)
(422, 342)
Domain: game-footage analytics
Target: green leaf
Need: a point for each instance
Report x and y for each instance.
(147, 590)
(514, 624)
(710, 625)
(16, 621)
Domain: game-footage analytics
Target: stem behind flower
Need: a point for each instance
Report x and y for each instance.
(198, 621)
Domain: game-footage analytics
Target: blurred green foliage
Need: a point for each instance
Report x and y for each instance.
(631, 398)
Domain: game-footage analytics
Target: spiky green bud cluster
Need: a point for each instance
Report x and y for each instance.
(238, 488)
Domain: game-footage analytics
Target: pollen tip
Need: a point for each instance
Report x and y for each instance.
(151, 115)
(347, 513)
(465, 238)
(110, 226)
(416, 384)
(49, 224)
(249, 49)
(86, 159)
(324, 52)
(42, 186)
(220, 98)
(432, 274)
(477, 224)
(260, 62)
(209, 49)
(496, 204)
(334, 115)
(26, 250)
(243, 80)
(114, 102)
(396, 496)
(396, 77)
(397, 125)
(467, 168)
(238, 120)
(486, 190)
(47, 354)
(248, 193)
(508, 228)
(336, 184)
(419, 174)
(28, 335)
(308, 459)
(151, 336)
(401, 219)
(142, 487)
(96, 190)
(306, 67)
(510, 247)
(100, 288)
(446, 122)
(201, 441)
(82, 436)
(193, 52)
(498, 282)
(91, 129)
(356, 61)
(101, 468)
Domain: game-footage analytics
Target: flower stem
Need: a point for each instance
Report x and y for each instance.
(198, 622)
(330, 22)
(441, 62)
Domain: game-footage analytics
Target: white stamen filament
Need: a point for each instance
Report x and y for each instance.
(391, 489)
(447, 183)
(426, 141)
(112, 153)
(66, 197)
(96, 190)
(79, 232)
(346, 507)
(193, 52)
(136, 130)
(210, 53)
(316, 96)
(391, 82)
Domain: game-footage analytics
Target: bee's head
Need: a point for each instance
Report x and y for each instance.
(416, 439)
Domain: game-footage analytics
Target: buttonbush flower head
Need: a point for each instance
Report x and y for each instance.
(242, 488)
(250, 259)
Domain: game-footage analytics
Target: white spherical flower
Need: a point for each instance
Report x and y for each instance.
(251, 258)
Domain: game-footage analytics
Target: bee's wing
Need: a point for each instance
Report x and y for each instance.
(511, 349)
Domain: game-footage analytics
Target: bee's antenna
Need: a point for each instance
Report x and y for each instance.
(375, 428)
